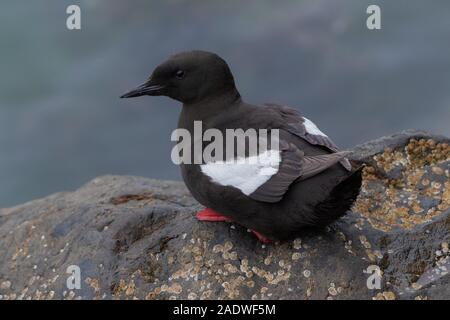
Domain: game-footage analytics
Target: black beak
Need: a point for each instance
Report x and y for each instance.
(148, 89)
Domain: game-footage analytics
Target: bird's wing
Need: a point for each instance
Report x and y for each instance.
(267, 176)
(304, 128)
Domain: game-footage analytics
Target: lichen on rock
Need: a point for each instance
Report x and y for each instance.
(407, 186)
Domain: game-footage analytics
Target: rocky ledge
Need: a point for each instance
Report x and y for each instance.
(136, 238)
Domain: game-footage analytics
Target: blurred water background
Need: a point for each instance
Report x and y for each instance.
(62, 123)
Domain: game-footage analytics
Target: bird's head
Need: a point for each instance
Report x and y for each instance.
(188, 77)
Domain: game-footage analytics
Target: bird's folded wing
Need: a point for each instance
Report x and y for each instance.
(294, 165)
(304, 128)
(267, 176)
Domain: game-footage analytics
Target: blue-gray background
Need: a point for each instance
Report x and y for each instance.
(62, 123)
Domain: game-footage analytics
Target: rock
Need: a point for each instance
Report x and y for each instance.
(136, 238)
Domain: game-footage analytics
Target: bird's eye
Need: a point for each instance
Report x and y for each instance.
(179, 74)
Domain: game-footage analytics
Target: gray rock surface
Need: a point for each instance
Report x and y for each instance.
(136, 238)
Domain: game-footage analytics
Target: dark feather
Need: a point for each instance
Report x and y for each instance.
(295, 125)
(340, 199)
(294, 165)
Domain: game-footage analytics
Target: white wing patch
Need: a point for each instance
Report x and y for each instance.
(246, 174)
(311, 128)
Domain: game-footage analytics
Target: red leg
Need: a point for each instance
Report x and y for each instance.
(261, 237)
(210, 215)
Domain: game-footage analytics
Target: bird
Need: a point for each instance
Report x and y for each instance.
(306, 183)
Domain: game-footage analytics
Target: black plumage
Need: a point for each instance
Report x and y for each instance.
(314, 185)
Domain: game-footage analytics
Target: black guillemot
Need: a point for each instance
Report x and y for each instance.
(307, 182)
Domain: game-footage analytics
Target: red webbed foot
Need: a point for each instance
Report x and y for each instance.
(208, 214)
(211, 215)
(261, 237)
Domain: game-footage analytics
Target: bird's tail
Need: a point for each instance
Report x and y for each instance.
(340, 199)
